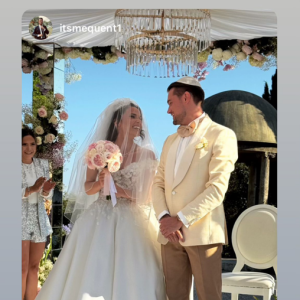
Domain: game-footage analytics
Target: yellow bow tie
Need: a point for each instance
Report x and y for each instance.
(185, 131)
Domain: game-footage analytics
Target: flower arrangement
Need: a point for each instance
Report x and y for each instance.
(99, 55)
(66, 229)
(46, 117)
(36, 59)
(261, 53)
(104, 154)
(45, 266)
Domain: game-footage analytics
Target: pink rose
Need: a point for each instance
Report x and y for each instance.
(63, 116)
(25, 62)
(247, 50)
(111, 147)
(59, 97)
(254, 48)
(100, 147)
(26, 70)
(246, 42)
(92, 146)
(90, 164)
(220, 63)
(66, 49)
(98, 161)
(228, 67)
(202, 65)
(205, 73)
(113, 166)
(257, 56)
(43, 65)
(42, 112)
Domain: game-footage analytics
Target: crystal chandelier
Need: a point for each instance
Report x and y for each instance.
(162, 42)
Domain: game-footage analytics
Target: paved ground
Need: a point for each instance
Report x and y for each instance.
(226, 296)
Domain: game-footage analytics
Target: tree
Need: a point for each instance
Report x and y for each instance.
(271, 96)
(266, 95)
(274, 90)
(235, 202)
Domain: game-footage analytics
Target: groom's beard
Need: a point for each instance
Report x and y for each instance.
(177, 120)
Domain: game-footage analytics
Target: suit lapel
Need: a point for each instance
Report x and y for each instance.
(190, 151)
(170, 162)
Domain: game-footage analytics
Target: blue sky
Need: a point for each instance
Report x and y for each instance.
(101, 84)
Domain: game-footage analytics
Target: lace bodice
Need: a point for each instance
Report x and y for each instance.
(125, 178)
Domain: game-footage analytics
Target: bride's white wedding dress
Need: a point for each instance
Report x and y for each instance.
(109, 253)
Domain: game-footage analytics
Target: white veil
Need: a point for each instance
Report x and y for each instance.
(138, 149)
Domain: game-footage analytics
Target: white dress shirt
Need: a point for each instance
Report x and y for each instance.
(183, 143)
(31, 178)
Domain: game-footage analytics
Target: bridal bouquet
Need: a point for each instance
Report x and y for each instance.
(105, 154)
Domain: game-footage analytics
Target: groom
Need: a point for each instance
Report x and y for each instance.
(40, 32)
(188, 194)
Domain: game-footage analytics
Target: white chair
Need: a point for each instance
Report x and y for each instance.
(254, 240)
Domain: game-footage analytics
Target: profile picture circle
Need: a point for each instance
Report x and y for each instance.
(40, 27)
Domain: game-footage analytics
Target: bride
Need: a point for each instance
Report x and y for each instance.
(111, 253)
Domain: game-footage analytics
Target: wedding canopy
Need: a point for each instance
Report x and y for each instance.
(226, 24)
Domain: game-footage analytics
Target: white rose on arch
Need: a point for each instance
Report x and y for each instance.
(49, 138)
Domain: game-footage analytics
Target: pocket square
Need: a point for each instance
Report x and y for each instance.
(203, 143)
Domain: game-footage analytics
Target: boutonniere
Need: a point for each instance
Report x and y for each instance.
(203, 143)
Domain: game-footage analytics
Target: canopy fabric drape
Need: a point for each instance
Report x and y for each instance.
(226, 24)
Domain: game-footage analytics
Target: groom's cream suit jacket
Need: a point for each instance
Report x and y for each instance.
(199, 186)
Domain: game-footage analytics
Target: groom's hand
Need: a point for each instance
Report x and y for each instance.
(169, 225)
(173, 238)
(176, 236)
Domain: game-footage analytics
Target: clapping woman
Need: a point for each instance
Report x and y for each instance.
(36, 188)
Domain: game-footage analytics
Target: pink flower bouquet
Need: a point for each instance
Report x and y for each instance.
(104, 154)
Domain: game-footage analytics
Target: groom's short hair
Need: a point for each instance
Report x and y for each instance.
(180, 88)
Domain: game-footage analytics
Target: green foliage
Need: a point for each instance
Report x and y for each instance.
(266, 95)
(40, 100)
(57, 151)
(235, 200)
(271, 96)
(273, 91)
(46, 265)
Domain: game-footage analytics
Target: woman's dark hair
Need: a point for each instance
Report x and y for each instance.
(112, 132)
(27, 131)
(180, 88)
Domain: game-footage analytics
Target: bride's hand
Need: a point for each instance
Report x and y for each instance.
(102, 176)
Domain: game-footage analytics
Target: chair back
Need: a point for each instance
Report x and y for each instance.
(254, 238)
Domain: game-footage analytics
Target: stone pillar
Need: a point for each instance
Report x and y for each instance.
(264, 178)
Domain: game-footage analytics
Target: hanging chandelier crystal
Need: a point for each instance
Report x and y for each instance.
(162, 42)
